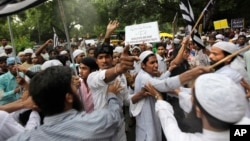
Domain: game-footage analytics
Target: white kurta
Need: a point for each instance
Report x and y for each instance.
(173, 133)
(8, 126)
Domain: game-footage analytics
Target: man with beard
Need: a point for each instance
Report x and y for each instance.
(55, 94)
(218, 103)
(219, 51)
(8, 85)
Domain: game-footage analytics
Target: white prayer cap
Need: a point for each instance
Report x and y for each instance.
(221, 97)
(63, 52)
(135, 47)
(118, 49)
(226, 46)
(149, 45)
(21, 53)
(77, 52)
(219, 36)
(28, 50)
(145, 54)
(8, 47)
(3, 54)
(51, 63)
(176, 41)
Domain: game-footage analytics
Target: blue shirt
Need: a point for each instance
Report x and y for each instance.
(7, 86)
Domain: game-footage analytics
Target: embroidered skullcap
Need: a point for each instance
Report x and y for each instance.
(221, 97)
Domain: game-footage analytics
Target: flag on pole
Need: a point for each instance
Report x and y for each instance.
(55, 39)
(8, 7)
(188, 16)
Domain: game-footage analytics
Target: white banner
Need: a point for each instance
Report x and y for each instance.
(142, 33)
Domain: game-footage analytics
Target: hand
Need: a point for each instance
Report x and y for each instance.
(112, 26)
(30, 104)
(171, 67)
(17, 90)
(115, 87)
(246, 86)
(49, 41)
(126, 61)
(152, 91)
(21, 68)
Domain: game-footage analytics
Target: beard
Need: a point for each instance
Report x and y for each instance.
(218, 66)
(77, 104)
(194, 123)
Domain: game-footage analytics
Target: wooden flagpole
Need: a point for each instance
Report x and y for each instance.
(68, 40)
(229, 56)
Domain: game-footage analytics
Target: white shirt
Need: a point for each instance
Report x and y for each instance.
(99, 87)
(162, 63)
(8, 126)
(173, 133)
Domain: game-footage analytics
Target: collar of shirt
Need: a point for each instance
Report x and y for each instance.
(51, 120)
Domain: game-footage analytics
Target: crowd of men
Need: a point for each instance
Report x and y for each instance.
(160, 91)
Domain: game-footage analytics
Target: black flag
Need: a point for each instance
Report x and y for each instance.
(188, 16)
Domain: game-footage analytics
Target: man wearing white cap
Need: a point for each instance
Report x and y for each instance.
(9, 51)
(78, 55)
(142, 106)
(218, 103)
(233, 68)
(28, 53)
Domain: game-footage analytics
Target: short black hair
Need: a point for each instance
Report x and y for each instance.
(104, 48)
(3, 58)
(49, 87)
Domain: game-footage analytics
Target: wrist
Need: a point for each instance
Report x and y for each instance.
(158, 96)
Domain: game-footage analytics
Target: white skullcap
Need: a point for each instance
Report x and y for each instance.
(51, 63)
(204, 37)
(176, 41)
(63, 52)
(77, 52)
(221, 97)
(21, 53)
(145, 54)
(28, 50)
(149, 45)
(219, 36)
(8, 47)
(226, 46)
(3, 54)
(135, 47)
(118, 49)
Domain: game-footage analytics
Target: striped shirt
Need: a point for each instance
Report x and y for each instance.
(75, 126)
